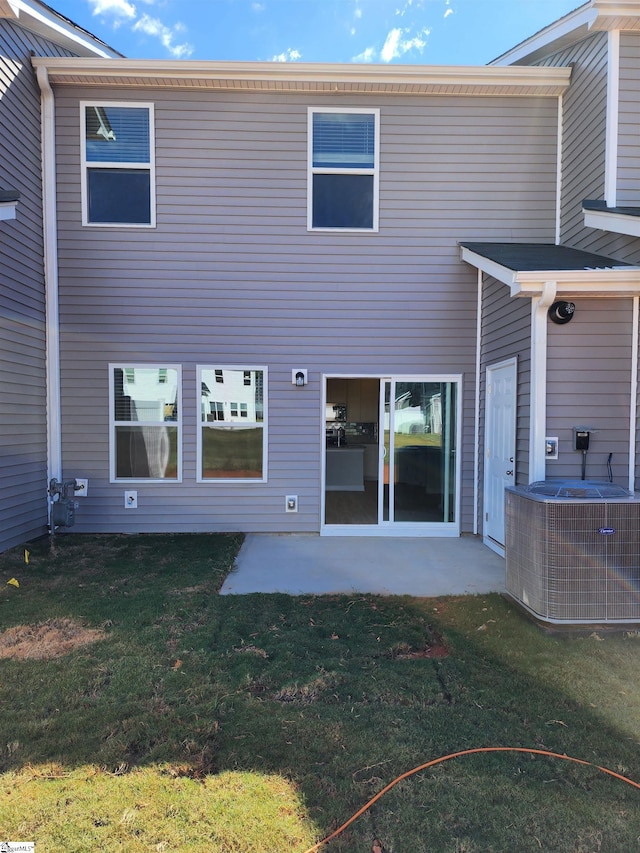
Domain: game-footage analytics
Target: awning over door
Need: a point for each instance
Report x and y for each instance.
(527, 267)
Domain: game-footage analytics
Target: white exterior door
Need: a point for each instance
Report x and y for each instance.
(500, 447)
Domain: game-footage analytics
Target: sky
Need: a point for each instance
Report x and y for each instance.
(430, 32)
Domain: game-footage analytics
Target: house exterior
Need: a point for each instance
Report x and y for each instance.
(26, 26)
(300, 298)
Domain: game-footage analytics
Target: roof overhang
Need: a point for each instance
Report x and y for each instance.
(46, 22)
(620, 220)
(308, 77)
(594, 16)
(574, 273)
(8, 204)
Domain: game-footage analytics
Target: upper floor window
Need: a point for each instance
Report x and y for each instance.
(343, 169)
(118, 185)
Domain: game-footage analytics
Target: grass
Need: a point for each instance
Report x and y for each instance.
(213, 723)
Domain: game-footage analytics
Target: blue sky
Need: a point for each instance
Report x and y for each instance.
(453, 32)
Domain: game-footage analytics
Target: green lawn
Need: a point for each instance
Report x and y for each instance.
(213, 723)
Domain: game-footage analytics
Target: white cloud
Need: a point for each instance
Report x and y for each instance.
(123, 11)
(258, 7)
(121, 8)
(390, 48)
(368, 55)
(448, 12)
(408, 6)
(154, 27)
(289, 55)
(397, 43)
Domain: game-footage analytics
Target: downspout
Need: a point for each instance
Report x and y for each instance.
(611, 143)
(538, 393)
(476, 439)
(559, 171)
(633, 403)
(50, 233)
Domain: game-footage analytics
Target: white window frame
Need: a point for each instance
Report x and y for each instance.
(242, 368)
(145, 167)
(113, 423)
(375, 171)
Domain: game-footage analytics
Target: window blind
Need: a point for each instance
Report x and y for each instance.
(344, 140)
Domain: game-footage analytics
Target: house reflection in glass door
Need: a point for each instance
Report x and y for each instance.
(419, 451)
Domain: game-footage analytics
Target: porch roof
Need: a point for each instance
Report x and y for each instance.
(527, 267)
(8, 202)
(620, 219)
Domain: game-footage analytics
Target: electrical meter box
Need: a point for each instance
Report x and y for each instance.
(581, 438)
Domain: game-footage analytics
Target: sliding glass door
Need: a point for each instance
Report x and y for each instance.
(390, 462)
(418, 482)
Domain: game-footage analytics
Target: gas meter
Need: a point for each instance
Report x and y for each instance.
(63, 507)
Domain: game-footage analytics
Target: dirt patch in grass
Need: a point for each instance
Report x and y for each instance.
(50, 639)
(435, 649)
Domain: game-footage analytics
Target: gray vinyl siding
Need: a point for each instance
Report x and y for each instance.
(589, 381)
(231, 276)
(23, 440)
(589, 360)
(629, 121)
(584, 135)
(506, 333)
(584, 118)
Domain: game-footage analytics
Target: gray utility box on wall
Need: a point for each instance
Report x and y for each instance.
(573, 551)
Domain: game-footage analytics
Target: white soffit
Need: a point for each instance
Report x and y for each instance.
(307, 77)
(617, 15)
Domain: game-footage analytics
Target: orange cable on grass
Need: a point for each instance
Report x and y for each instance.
(457, 755)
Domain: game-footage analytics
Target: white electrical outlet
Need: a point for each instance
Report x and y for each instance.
(131, 500)
(291, 503)
(82, 487)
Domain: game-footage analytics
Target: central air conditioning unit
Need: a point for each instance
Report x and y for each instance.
(573, 551)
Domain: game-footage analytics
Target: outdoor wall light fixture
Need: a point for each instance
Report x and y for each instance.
(299, 378)
(561, 312)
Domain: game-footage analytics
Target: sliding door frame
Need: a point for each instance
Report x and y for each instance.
(394, 528)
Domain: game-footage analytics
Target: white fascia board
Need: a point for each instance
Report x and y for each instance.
(44, 21)
(581, 18)
(621, 282)
(7, 210)
(618, 223)
(527, 80)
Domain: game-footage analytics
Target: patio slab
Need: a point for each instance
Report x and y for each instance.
(308, 564)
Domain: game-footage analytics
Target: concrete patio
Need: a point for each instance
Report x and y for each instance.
(317, 565)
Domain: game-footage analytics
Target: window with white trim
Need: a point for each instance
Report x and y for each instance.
(232, 439)
(145, 416)
(343, 169)
(118, 169)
